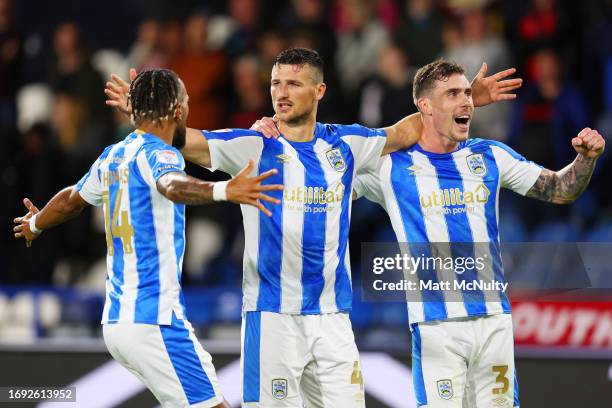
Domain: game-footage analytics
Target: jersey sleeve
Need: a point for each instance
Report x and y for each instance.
(516, 173)
(231, 149)
(89, 186)
(366, 145)
(154, 162)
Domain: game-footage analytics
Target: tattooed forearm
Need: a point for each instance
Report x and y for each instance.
(185, 189)
(566, 185)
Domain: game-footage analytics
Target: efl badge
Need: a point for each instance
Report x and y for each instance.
(477, 164)
(279, 388)
(167, 157)
(445, 389)
(335, 159)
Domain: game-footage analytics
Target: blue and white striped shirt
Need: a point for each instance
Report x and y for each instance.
(450, 198)
(145, 232)
(297, 261)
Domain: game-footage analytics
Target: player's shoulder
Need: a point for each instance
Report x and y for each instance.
(484, 144)
(229, 134)
(350, 130)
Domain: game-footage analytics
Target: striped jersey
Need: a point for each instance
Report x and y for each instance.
(297, 261)
(145, 232)
(450, 198)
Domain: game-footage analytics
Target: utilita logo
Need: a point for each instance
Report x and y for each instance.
(575, 324)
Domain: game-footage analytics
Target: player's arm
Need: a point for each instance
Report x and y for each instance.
(566, 185)
(196, 148)
(64, 206)
(485, 90)
(242, 189)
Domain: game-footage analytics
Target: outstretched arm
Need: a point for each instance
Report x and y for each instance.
(242, 189)
(566, 185)
(64, 206)
(196, 147)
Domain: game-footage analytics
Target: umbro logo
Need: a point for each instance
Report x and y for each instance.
(414, 169)
(283, 158)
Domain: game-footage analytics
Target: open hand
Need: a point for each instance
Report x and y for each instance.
(118, 92)
(494, 88)
(22, 229)
(244, 189)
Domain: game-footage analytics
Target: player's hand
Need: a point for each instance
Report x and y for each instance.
(243, 189)
(22, 229)
(118, 91)
(494, 88)
(267, 126)
(589, 143)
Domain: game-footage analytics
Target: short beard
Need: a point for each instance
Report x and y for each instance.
(180, 137)
(299, 119)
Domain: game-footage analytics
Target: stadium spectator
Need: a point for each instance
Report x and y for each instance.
(421, 33)
(11, 59)
(387, 97)
(204, 74)
(358, 45)
(146, 51)
(480, 44)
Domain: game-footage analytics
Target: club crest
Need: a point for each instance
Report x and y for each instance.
(477, 164)
(445, 389)
(335, 159)
(279, 388)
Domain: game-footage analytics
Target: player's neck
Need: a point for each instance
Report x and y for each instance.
(434, 142)
(164, 131)
(302, 132)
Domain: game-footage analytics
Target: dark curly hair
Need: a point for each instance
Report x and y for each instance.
(154, 94)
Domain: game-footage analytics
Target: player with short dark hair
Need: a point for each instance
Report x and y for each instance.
(141, 184)
(444, 192)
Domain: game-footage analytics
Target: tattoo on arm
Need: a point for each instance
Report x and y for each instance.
(566, 185)
(185, 189)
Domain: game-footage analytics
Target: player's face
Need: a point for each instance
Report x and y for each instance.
(452, 107)
(180, 132)
(295, 92)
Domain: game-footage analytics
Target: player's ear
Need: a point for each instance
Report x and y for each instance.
(178, 113)
(424, 106)
(321, 88)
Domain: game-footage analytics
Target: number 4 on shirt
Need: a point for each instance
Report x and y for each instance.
(123, 231)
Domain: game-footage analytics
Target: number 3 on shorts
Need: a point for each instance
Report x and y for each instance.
(501, 378)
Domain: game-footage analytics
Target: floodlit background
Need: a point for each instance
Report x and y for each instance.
(56, 56)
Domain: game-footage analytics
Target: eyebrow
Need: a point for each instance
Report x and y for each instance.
(469, 88)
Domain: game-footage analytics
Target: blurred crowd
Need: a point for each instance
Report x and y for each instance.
(54, 122)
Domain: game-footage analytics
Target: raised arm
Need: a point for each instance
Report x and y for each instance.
(566, 185)
(196, 147)
(64, 206)
(485, 90)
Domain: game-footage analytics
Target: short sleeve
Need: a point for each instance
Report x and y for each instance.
(516, 173)
(231, 149)
(89, 186)
(366, 145)
(368, 185)
(161, 160)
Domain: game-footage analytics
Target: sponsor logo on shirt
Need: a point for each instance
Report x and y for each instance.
(462, 201)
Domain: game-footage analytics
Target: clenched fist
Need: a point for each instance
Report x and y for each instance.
(589, 143)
